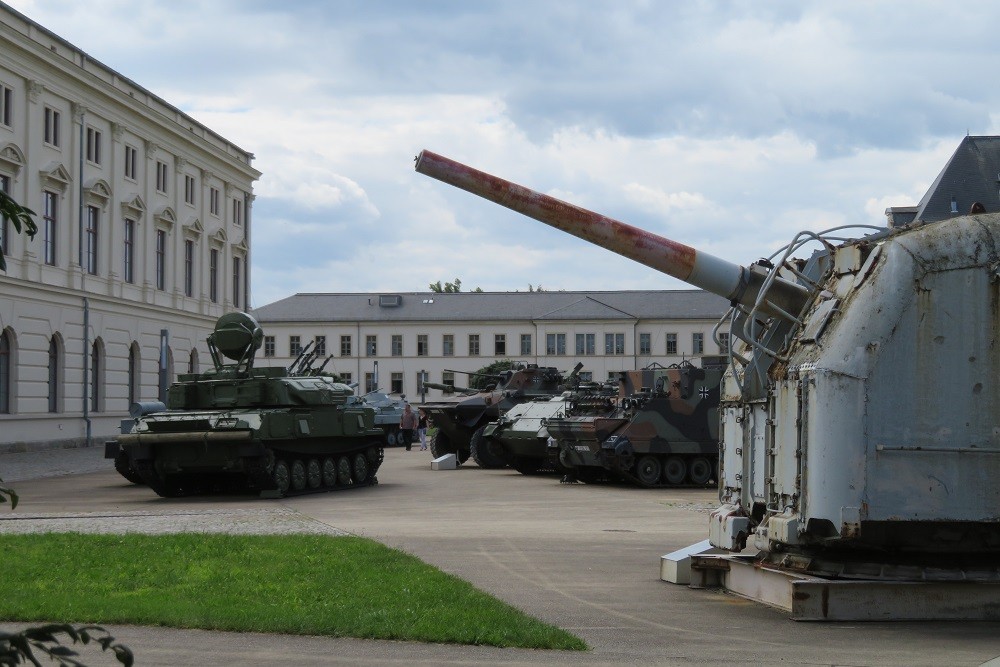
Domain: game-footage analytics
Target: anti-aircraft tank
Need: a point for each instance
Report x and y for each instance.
(860, 432)
(276, 431)
(663, 432)
(458, 418)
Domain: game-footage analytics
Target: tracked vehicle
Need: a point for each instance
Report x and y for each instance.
(664, 430)
(275, 431)
(860, 436)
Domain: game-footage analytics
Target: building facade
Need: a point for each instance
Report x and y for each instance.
(143, 240)
(395, 340)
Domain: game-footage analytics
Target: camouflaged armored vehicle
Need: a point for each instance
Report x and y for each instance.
(234, 427)
(664, 431)
(457, 418)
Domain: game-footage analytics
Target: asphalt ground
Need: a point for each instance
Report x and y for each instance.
(584, 558)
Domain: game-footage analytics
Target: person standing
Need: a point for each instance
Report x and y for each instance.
(407, 423)
(422, 429)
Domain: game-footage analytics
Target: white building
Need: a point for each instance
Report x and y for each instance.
(144, 226)
(410, 335)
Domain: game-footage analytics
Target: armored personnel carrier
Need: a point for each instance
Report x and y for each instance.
(663, 432)
(275, 431)
(388, 412)
(458, 418)
(860, 443)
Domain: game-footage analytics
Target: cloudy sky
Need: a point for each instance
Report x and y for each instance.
(729, 126)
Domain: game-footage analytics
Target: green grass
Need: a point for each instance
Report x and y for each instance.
(293, 584)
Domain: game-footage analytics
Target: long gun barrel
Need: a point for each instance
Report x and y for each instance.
(302, 353)
(734, 282)
(446, 388)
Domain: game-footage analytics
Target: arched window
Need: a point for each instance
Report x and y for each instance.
(193, 361)
(55, 374)
(5, 372)
(134, 372)
(97, 376)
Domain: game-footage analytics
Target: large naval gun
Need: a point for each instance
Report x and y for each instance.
(234, 427)
(860, 434)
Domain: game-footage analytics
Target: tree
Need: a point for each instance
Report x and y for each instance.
(486, 375)
(19, 216)
(450, 287)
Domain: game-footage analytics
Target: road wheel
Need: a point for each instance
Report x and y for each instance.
(124, 468)
(282, 476)
(441, 445)
(343, 471)
(298, 471)
(314, 474)
(360, 468)
(485, 451)
(700, 470)
(674, 470)
(648, 470)
(329, 472)
(392, 438)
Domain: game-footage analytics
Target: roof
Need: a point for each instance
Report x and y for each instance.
(493, 306)
(971, 175)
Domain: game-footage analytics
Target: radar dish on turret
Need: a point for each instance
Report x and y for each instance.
(237, 335)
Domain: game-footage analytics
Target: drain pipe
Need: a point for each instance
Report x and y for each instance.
(86, 367)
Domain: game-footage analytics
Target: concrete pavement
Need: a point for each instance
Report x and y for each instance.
(585, 558)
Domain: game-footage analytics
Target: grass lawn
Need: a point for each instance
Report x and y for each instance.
(294, 584)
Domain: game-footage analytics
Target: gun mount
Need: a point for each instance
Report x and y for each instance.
(858, 431)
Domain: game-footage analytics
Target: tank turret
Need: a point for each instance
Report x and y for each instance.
(859, 418)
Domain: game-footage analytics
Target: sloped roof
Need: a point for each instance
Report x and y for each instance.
(971, 175)
(493, 306)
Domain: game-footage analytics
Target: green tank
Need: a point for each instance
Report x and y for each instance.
(664, 430)
(275, 431)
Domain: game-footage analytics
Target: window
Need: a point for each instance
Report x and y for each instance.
(370, 382)
(93, 145)
(213, 275)
(586, 376)
(90, 247)
(188, 189)
(5, 376)
(4, 187)
(371, 346)
(96, 371)
(614, 343)
(53, 380)
(237, 212)
(346, 378)
(51, 126)
(697, 343)
(193, 362)
(500, 345)
(723, 343)
(50, 220)
(133, 373)
(294, 346)
(473, 345)
(345, 346)
(320, 346)
(6, 106)
(237, 280)
(397, 345)
(526, 344)
(130, 162)
(188, 267)
(586, 343)
(161, 177)
(671, 343)
(645, 343)
(161, 259)
(396, 380)
(448, 378)
(448, 345)
(213, 201)
(422, 345)
(268, 346)
(129, 260)
(555, 344)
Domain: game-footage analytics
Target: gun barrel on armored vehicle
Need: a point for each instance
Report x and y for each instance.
(446, 388)
(736, 283)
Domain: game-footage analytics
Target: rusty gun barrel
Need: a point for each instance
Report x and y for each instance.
(734, 282)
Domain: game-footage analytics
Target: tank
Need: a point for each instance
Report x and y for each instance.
(663, 430)
(860, 418)
(274, 431)
(458, 417)
(388, 412)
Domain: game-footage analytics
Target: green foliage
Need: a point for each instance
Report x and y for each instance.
(20, 216)
(294, 584)
(5, 494)
(450, 287)
(486, 375)
(20, 647)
